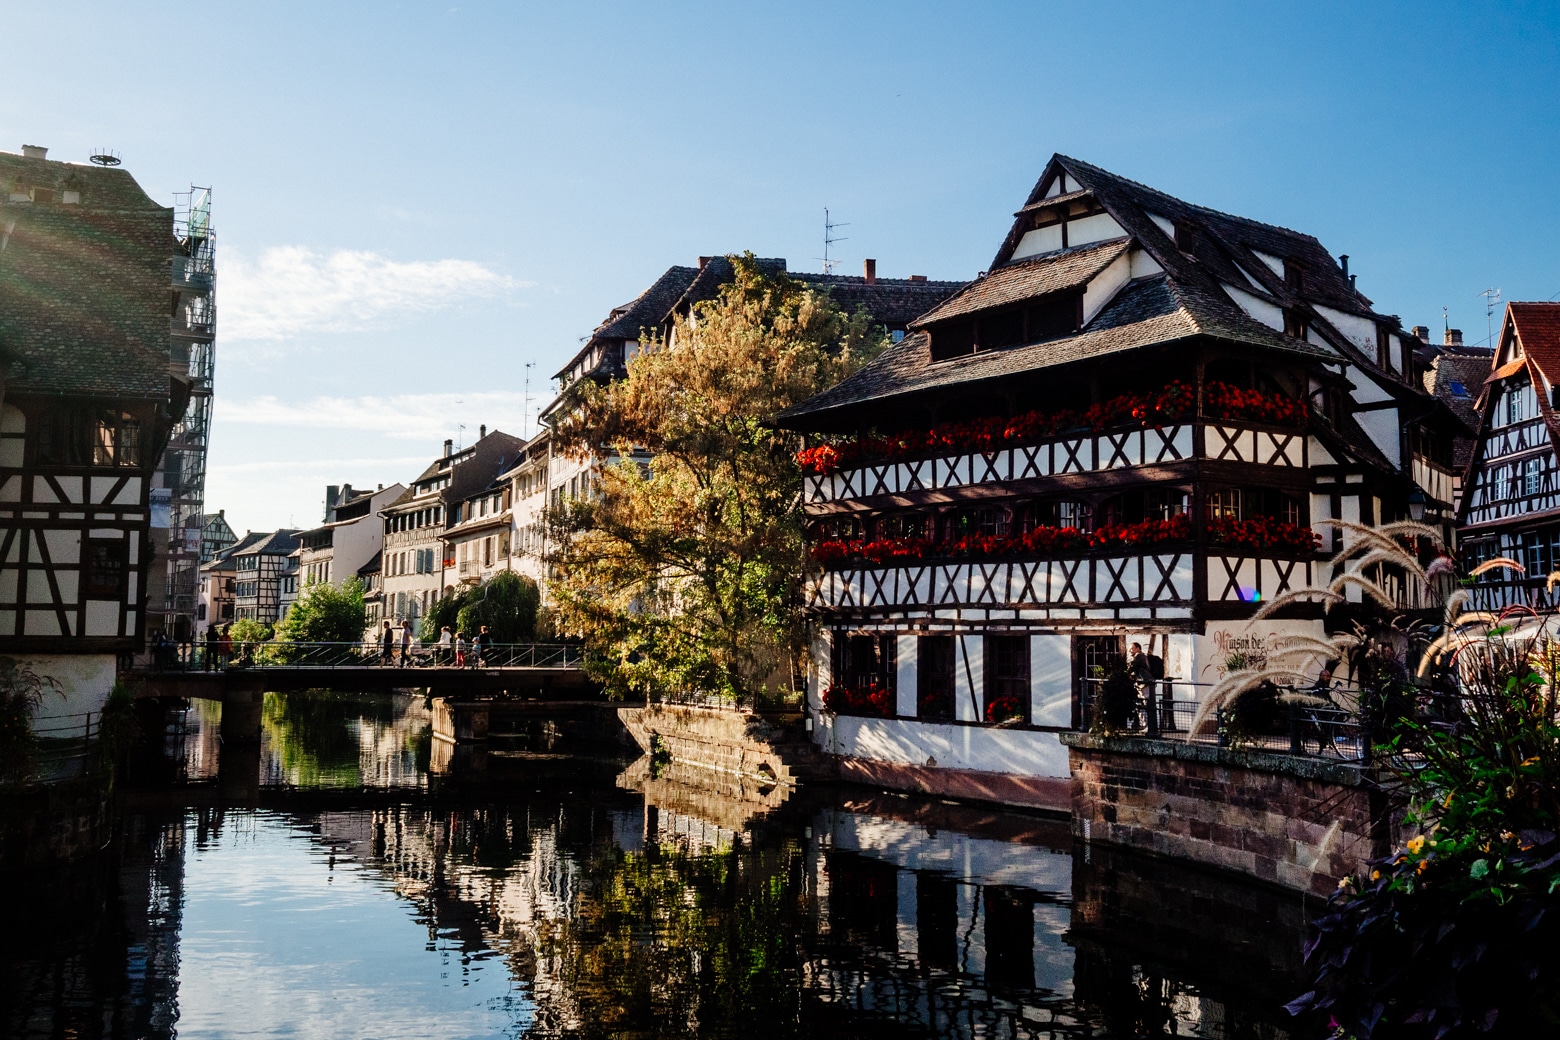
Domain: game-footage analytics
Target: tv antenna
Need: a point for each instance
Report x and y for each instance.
(1491, 301)
(525, 420)
(829, 240)
(104, 157)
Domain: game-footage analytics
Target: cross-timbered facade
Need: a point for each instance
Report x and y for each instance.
(1127, 431)
(87, 399)
(1511, 507)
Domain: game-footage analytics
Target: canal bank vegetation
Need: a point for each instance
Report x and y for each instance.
(509, 604)
(325, 613)
(1456, 931)
(683, 571)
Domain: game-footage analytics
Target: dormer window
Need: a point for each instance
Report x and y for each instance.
(1294, 276)
(1050, 317)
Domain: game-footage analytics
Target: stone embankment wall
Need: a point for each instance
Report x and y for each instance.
(727, 740)
(48, 823)
(1297, 822)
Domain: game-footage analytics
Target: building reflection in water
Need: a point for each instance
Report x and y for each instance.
(586, 904)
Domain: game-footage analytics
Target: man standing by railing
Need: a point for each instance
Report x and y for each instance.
(1147, 670)
(386, 646)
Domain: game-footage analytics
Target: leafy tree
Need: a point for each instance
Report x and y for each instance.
(683, 572)
(444, 613)
(247, 634)
(326, 613)
(21, 692)
(506, 603)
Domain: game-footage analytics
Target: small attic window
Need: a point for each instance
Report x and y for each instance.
(70, 198)
(1186, 237)
(953, 339)
(1458, 390)
(1294, 276)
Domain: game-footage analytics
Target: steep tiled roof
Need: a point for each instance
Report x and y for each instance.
(892, 302)
(373, 565)
(1029, 278)
(83, 286)
(645, 311)
(1538, 330)
(1200, 251)
(1147, 312)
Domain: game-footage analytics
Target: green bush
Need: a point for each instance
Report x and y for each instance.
(21, 692)
(506, 604)
(1457, 933)
(326, 613)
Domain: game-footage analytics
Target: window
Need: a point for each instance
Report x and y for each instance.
(1519, 403)
(1149, 504)
(934, 677)
(1294, 276)
(1002, 329)
(104, 576)
(1532, 477)
(1054, 317)
(953, 339)
(1224, 505)
(864, 660)
(1502, 483)
(116, 440)
(1007, 678)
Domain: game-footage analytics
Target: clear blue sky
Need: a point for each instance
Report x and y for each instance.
(415, 200)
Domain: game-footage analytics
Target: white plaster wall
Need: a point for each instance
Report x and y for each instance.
(1165, 225)
(1357, 330)
(1381, 426)
(1144, 265)
(1222, 638)
(1365, 389)
(910, 742)
(905, 647)
(1273, 262)
(85, 679)
(1050, 680)
(1099, 227)
(1267, 313)
(1105, 285)
(911, 847)
(969, 677)
(821, 669)
(1039, 240)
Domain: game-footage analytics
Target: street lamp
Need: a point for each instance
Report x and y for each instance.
(1417, 500)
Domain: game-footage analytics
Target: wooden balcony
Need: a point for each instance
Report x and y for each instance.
(1082, 453)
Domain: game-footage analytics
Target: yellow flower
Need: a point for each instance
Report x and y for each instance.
(1415, 844)
(1420, 867)
(1506, 835)
(1343, 882)
(1375, 875)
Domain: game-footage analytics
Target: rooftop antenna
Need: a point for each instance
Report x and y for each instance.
(460, 438)
(104, 157)
(829, 240)
(525, 420)
(1491, 301)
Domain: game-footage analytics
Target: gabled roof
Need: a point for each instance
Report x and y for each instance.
(1148, 312)
(373, 565)
(1028, 278)
(1179, 292)
(644, 311)
(892, 302)
(84, 286)
(1537, 328)
(267, 543)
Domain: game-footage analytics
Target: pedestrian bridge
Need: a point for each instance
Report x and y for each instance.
(534, 670)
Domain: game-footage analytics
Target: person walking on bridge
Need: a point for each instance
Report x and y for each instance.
(406, 643)
(446, 643)
(481, 645)
(386, 647)
(460, 649)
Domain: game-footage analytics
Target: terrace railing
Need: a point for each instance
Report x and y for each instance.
(1168, 709)
(66, 745)
(281, 654)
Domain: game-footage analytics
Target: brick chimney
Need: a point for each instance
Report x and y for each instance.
(1453, 338)
(449, 448)
(869, 269)
(481, 431)
(1421, 333)
(704, 262)
(918, 278)
(33, 151)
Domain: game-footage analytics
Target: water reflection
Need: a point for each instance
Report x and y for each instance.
(568, 904)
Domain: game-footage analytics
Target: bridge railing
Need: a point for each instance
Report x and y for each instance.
(273, 654)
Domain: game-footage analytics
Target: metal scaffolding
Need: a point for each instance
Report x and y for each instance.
(193, 350)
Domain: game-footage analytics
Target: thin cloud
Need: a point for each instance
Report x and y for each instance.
(292, 290)
(425, 417)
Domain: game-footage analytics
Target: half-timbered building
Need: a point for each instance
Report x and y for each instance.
(1511, 507)
(1126, 431)
(87, 400)
(261, 569)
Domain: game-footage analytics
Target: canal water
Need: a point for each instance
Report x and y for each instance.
(338, 887)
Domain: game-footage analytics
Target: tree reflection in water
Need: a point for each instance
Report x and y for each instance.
(595, 910)
(324, 738)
